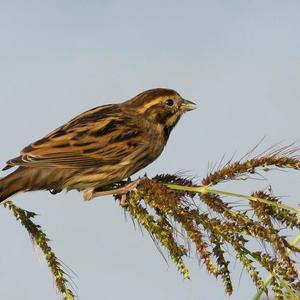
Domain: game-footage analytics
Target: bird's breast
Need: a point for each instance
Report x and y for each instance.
(157, 141)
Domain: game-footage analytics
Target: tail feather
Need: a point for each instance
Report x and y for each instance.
(26, 179)
(12, 184)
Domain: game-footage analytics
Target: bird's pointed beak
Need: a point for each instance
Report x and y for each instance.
(187, 105)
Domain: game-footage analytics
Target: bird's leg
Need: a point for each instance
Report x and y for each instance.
(89, 194)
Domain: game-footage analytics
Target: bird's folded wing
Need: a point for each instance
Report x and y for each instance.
(88, 141)
(66, 160)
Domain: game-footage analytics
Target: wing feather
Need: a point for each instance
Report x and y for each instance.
(89, 140)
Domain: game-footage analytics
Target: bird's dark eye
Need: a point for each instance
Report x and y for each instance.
(169, 102)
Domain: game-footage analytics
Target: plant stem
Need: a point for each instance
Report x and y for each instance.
(269, 278)
(204, 189)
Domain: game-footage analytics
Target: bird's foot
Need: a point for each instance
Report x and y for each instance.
(89, 194)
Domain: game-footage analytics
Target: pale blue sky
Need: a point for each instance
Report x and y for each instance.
(238, 60)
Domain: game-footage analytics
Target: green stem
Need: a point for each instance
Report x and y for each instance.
(269, 278)
(205, 189)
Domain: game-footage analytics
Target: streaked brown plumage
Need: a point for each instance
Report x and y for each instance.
(98, 147)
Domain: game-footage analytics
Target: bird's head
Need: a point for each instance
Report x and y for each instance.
(161, 106)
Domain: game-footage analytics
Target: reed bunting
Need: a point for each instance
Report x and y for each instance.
(99, 147)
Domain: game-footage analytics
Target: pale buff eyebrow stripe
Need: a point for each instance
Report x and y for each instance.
(149, 104)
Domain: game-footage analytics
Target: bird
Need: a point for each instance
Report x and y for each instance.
(99, 147)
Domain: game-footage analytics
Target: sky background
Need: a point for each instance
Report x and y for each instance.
(238, 60)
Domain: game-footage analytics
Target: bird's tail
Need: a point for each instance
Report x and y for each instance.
(13, 183)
